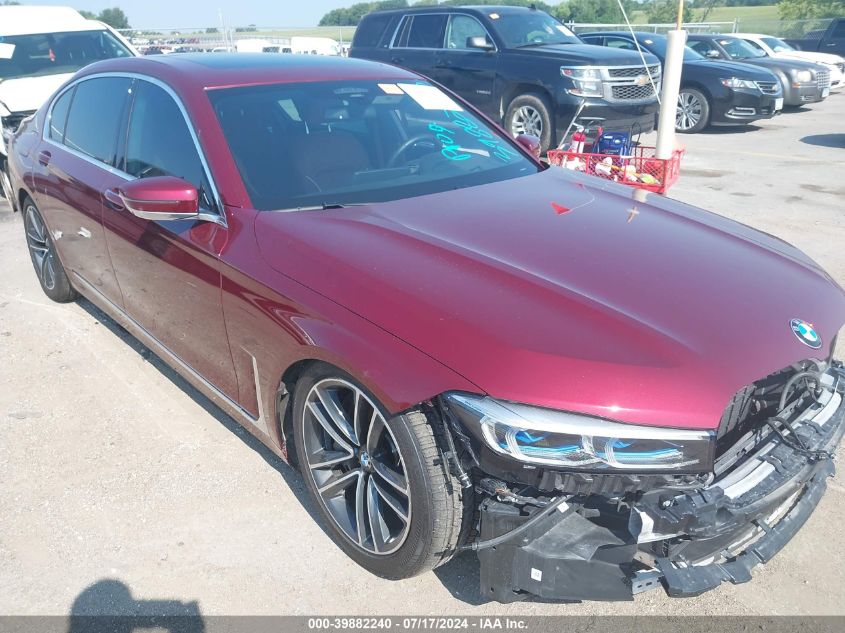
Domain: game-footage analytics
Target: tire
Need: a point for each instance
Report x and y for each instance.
(695, 115)
(528, 112)
(42, 251)
(405, 447)
(6, 184)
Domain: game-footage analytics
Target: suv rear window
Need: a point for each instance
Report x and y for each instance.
(422, 31)
(370, 30)
(54, 53)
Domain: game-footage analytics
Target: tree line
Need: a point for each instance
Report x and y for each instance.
(602, 11)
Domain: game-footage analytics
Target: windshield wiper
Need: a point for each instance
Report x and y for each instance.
(328, 206)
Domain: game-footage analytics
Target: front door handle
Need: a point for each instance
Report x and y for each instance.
(44, 157)
(397, 60)
(445, 63)
(113, 199)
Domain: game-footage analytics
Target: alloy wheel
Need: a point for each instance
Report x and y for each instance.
(356, 466)
(527, 120)
(689, 111)
(40, 248)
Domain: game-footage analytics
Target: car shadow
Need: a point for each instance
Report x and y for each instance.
(721, 130)
(460, 576)
(107, 606)
(825, 140)
(288, 473)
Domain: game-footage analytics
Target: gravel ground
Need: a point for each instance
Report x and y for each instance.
(125, 490)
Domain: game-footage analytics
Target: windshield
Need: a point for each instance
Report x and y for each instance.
(656, 45)
(354, 142)
(533, 28)
(740, 49)
(54, 53)
(777, 45)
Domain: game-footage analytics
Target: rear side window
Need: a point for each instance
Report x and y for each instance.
(370, 31)
(58, 116)
(93, 124)
(839, 31)
(422, 31)
(159, 141)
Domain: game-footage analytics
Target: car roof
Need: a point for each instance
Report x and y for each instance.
(26, 20)
(477, 9)
(222, 70)
(640, 35)
(754, 35)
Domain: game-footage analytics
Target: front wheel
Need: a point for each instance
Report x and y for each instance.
(381, 484)
(693, 112)
(530, 114)
(6, 183)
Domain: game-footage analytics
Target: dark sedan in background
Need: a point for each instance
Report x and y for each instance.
(802, 81)
(712, 92)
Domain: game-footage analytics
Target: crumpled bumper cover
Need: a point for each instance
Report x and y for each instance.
(696, 540)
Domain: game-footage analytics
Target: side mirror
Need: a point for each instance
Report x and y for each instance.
(480, 42)
(160, 198)
(530, 144)
(711, 54)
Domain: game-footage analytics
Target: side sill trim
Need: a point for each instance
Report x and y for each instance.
(182, 368)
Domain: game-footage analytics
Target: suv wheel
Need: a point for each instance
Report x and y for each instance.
(693, 112)
(381, 484)
(529, 114)
(51, 274)
(6, 184)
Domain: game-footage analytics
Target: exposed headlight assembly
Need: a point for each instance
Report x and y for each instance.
(586, 81)
(802, 76)
(735, 83)
(572, 441)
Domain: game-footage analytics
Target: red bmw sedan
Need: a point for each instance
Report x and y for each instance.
(459, 348)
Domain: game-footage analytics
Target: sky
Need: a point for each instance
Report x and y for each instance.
(153, 14)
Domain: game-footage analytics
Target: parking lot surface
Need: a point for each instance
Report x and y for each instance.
(116, 476)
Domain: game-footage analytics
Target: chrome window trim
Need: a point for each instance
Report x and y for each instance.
(219, 216)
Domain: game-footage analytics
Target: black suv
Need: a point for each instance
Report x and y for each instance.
(517, 65)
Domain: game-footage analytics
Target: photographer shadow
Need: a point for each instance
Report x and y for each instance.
(107, 606)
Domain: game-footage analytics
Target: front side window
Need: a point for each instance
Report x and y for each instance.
(55, 53)
(422, 31)
(530, 28)
(462, 28)
(777, 44)
(619, 42)
(740, 49)
(95, 116)
(159, 142)
(58, 116)
(353, 142)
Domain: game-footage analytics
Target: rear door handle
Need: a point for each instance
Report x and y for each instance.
(44, 157)
(113, 199)
(397, 60)
(443, 64)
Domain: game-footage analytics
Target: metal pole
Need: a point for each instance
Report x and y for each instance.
(676, 41)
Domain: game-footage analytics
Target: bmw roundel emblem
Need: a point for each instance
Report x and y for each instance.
(805, 333)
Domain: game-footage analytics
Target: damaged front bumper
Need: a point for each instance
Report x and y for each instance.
(606, 547)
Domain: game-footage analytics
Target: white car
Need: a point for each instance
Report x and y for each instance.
(40, 49)
(776, 47)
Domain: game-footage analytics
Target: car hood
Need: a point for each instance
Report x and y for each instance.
(781, 64)
(28, 93)
(559, 292)
(736, 69)
(824, 58)
(587, 54)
